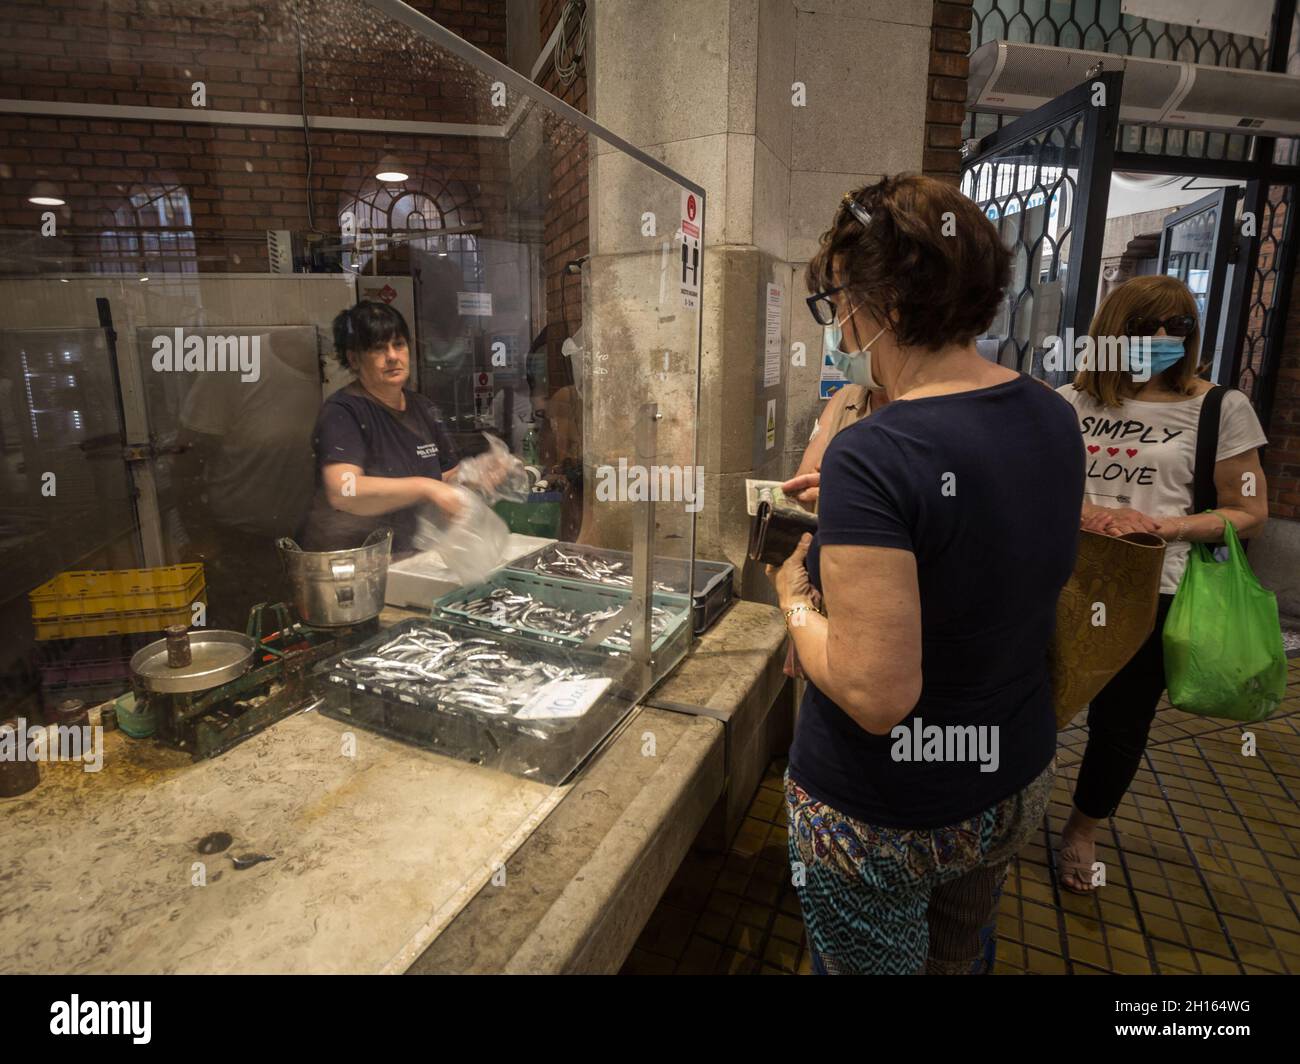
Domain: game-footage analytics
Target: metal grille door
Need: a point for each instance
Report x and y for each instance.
(1044, 181)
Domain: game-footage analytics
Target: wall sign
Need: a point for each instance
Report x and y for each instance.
(474, 304)
(772, 337)
(692, 224)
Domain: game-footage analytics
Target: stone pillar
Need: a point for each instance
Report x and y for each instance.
(775, 107)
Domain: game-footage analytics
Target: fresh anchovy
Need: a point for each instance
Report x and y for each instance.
(473, 675)
(248, 860)
(555, 620)
(557, 562)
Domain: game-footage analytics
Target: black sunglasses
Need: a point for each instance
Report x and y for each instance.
(1179, 325)
(822, 306)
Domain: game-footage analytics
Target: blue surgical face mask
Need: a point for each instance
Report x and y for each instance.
(1164, 351)
(856, 366)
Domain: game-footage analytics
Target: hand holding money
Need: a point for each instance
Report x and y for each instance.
(768, 491)
(803, 489)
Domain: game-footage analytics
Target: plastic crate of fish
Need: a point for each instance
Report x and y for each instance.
(508, 703)
(714, 585)
(565, 612)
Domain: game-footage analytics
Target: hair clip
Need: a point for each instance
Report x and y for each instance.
(857, 210)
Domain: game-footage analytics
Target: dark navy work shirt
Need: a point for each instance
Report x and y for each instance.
(355, 429)
(992, 554)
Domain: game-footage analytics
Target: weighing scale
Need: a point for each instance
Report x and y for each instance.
(208, 690)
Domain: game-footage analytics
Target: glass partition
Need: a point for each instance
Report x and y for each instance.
(193, 198)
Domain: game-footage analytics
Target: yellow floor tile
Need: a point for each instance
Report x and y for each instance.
(1202, 872)
(1124, 963)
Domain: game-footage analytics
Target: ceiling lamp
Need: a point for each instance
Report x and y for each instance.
(390, 170)
(46, 194)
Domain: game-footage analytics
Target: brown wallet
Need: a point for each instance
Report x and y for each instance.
(774, 533)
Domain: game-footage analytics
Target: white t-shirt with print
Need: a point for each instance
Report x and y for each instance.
(1143, 455)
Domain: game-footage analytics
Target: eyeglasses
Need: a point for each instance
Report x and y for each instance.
(1179, 325)
(823, 307)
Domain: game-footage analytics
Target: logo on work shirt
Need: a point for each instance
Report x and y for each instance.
(427, 450)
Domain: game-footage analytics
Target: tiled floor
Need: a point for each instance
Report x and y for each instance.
(1202, 867)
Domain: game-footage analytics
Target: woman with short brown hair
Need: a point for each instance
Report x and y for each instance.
(924, 747)
(1140, 419)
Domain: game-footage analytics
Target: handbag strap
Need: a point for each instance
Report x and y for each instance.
(1204, 494)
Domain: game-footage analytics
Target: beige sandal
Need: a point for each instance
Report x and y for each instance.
(1069, 864)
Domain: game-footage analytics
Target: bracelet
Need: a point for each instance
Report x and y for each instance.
(802, 607)
(1182, 531)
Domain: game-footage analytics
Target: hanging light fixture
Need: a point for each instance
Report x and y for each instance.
(391, 171)
(46, 194)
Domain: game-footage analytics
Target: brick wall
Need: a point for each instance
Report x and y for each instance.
(240, 180)
(566, 226)
(945, 107)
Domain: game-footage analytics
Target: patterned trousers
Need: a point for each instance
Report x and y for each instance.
(901, 901)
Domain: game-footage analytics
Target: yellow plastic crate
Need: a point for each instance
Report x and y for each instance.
(115, 623)
(115, 601)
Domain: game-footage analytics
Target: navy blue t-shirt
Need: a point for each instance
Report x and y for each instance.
(991, 556)
(354, 429)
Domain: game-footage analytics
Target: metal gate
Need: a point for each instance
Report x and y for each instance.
(1044, 180)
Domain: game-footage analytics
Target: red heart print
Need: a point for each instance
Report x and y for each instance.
(1130, 451)
(1093, 449)
(1112, 450)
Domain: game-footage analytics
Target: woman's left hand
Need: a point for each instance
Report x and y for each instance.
(791, 579)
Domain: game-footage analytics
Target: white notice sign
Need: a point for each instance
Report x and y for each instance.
(562, 698)
(474, 304)
(772, 337)
(692, 225)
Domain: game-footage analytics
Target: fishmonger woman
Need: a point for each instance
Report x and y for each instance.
(381, 450)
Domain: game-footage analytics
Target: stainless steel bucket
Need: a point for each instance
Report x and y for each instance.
(338, 587)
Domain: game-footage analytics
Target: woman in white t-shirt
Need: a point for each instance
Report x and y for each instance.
(1139, 430)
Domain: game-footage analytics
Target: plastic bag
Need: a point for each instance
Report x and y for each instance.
(495, 474)
(471, 544)
(1223, 643)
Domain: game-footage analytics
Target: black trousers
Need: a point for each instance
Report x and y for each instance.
(1119, 721)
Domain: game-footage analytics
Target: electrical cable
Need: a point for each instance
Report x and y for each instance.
(306, 130)
(568, 57)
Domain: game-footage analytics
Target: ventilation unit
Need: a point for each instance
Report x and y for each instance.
(1008, 77)
(279, 250)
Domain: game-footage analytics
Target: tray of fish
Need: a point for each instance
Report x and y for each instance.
(613, 568)
(462, 671)
(564, 612)
(494, 700)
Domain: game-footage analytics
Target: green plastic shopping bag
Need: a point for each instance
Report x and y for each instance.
(1223, 643)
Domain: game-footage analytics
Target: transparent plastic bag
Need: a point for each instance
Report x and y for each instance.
(471, 545)
(495, 474)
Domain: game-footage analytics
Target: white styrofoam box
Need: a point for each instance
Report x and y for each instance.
(419, 580)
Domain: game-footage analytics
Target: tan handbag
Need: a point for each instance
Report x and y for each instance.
(1123, 574)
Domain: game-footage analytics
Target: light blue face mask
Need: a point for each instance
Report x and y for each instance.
(1164, 351)
(856, 366)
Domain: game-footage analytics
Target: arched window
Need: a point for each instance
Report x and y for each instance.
(151, 232)
(424, 213)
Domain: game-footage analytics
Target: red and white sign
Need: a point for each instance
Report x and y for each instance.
(688, 216)
(691, 250)
(483, 396)
(386, 294)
